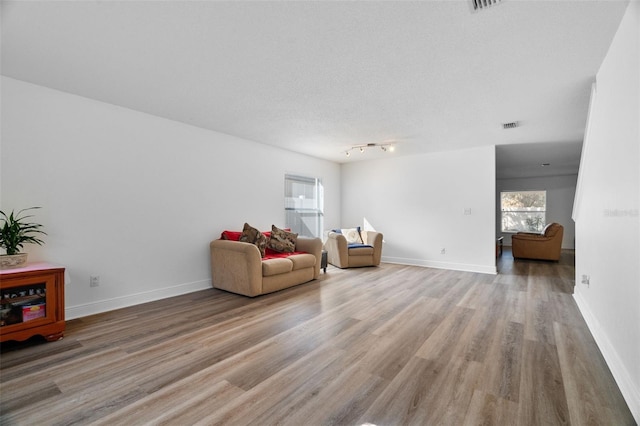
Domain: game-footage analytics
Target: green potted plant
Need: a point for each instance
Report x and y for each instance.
(15, 231)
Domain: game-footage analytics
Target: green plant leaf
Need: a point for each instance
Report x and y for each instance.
(15, 231)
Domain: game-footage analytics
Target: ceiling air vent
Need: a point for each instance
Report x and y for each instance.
(511, 125)
(478, 5)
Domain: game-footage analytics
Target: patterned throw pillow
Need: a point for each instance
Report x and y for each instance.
(282, 241)
(352, 235)
(253, 236)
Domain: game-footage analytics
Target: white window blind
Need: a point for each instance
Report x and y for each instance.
(303, 205)
(523, 210)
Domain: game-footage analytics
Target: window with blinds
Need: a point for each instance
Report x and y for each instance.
(523, 210)
(303, 205)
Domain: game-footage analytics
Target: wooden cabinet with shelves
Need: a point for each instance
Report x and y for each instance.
(32, 302)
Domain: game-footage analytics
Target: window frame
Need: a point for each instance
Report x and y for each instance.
(298, 214)
(530, 210)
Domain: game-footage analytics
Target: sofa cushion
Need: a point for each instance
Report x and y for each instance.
(270, 254)
(352, 235)
(268, 233)
(253, 236)
(276, 266)
(230, 235)
(361, 251)
(301, 261)
(235, 235)
(282, 241)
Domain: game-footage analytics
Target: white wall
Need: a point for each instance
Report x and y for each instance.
(560, 194)
(418, 203)
(607, 219)
(135, 198)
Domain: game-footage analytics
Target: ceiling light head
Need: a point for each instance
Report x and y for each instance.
(545, 164)
(511, 125)
(362, 147)
(478, 5)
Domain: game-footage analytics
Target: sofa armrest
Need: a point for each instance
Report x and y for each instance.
(337, 252)
(314, 247)
(236, 267)
(374, 239)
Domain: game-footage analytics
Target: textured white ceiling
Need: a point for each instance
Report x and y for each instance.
(318, 77)
(526, 160)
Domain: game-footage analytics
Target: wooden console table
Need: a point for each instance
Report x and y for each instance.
(32, 302)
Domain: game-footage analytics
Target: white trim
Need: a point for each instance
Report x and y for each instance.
(100, 306)
(585, 143)
(482, 269)
(620, 374)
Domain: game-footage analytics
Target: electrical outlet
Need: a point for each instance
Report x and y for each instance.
(586, 280)
(443, 250)
(467, 211)
(94, 281)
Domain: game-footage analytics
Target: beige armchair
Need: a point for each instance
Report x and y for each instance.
(341, 255)
(544, 246)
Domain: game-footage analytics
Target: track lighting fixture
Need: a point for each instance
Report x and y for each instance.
(385, 147)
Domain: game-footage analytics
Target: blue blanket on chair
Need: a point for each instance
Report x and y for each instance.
(358, 245)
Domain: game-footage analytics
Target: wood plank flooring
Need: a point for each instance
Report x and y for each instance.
(393, 345)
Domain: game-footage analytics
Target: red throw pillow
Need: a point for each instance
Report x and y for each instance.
(230, 235)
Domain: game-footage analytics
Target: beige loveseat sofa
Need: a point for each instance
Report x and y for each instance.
(239, 268)
(343, 255)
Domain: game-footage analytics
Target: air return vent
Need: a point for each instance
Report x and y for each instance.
(478, 5)
(511, 125)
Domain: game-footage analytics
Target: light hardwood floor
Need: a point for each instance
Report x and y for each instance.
(393, 345)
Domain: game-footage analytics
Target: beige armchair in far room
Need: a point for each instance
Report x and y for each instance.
(352, 248)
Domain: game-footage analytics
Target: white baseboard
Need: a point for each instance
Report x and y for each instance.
(621, 375)
(483, 269)
(100, 306)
